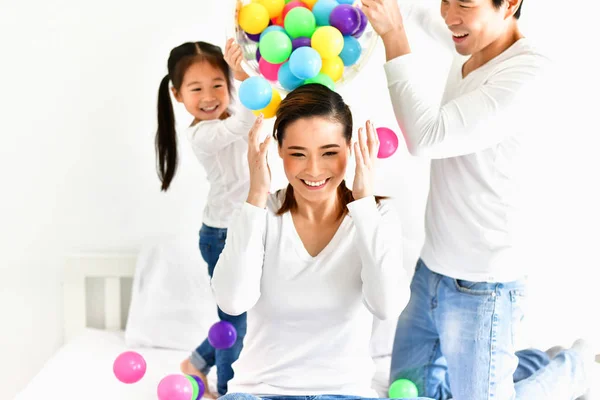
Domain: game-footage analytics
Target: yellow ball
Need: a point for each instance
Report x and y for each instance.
(274, 7)
(253, 18)
(327, 41)
(270, 110)
(333, 67)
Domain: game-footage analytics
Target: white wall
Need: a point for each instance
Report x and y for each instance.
(78, 83)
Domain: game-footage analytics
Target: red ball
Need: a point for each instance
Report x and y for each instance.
(291, 5)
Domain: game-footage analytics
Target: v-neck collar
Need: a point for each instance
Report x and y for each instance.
(299, 245)
(494, 60)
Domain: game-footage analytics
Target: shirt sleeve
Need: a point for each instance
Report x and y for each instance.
(385, 283)
(208, 137)
(429, 20)
(238, 273)
(473, 121)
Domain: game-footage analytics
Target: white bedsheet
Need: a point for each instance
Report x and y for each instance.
(82, 369)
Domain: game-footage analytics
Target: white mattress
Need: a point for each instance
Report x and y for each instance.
(82, 369)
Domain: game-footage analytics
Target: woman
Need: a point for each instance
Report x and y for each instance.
(313, 263)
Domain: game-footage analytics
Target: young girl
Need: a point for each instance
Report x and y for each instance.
(313, 263)
(200, 78)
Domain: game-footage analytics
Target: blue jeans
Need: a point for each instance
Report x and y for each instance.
(245, 396)
(212, 241)
(460, 335)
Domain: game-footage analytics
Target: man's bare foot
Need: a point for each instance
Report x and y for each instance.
(188, 368)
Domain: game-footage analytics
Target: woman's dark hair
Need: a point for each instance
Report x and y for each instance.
(498, 3)
(307, 101)
(180, 59)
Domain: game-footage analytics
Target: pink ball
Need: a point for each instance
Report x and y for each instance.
(129, 367)
(268, 70)
(388, 142)
(175, 387)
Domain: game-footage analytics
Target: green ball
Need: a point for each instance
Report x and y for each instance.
(275, 47)
(323, 79)
(300, 22)
(402, 389)
(195, 388)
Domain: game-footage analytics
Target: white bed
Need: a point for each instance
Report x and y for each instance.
(97, 291)
(82, 368)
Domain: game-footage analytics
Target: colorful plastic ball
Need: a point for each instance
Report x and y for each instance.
(201, 387)
(255, 94)
(175, 387)
(309, 3)
(327, 41)
(129, 367)
(275, 47)
(254, 38)
(351, 51)
(345, 18)
(223, 335)
(333, 67)
(268, 70)
(290, 6)
(322, 79)
(305, 63)
(300, 42)
(346, 1)
(274, 7)
(363, 24)
(287, 79)
(258, 56)
(271, 110)
(272, 28)
(403, 388)
(277, 20)
(300, 22)
(195, 388)
(388, 144)
(322, 10)
(253, 18)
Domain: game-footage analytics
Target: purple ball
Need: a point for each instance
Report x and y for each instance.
(363, 24)
(300, 42)
(222, 335)
(345, 18)
(258, 56)
(201, 388)
(254, 38)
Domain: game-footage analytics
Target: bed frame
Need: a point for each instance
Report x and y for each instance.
(83, 272)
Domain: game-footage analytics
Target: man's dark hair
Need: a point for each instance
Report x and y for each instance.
(498, 3)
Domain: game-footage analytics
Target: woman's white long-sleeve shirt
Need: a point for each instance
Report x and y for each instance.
(310, 318)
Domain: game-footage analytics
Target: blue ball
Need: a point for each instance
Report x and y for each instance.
(287, 79)
(351, 51)
(322, 10)
(272, 28)
(305, 63)
(346, 2)
(255, 93)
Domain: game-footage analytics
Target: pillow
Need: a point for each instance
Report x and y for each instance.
(172, 305)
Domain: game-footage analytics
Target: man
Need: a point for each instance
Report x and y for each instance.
(455, 339)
